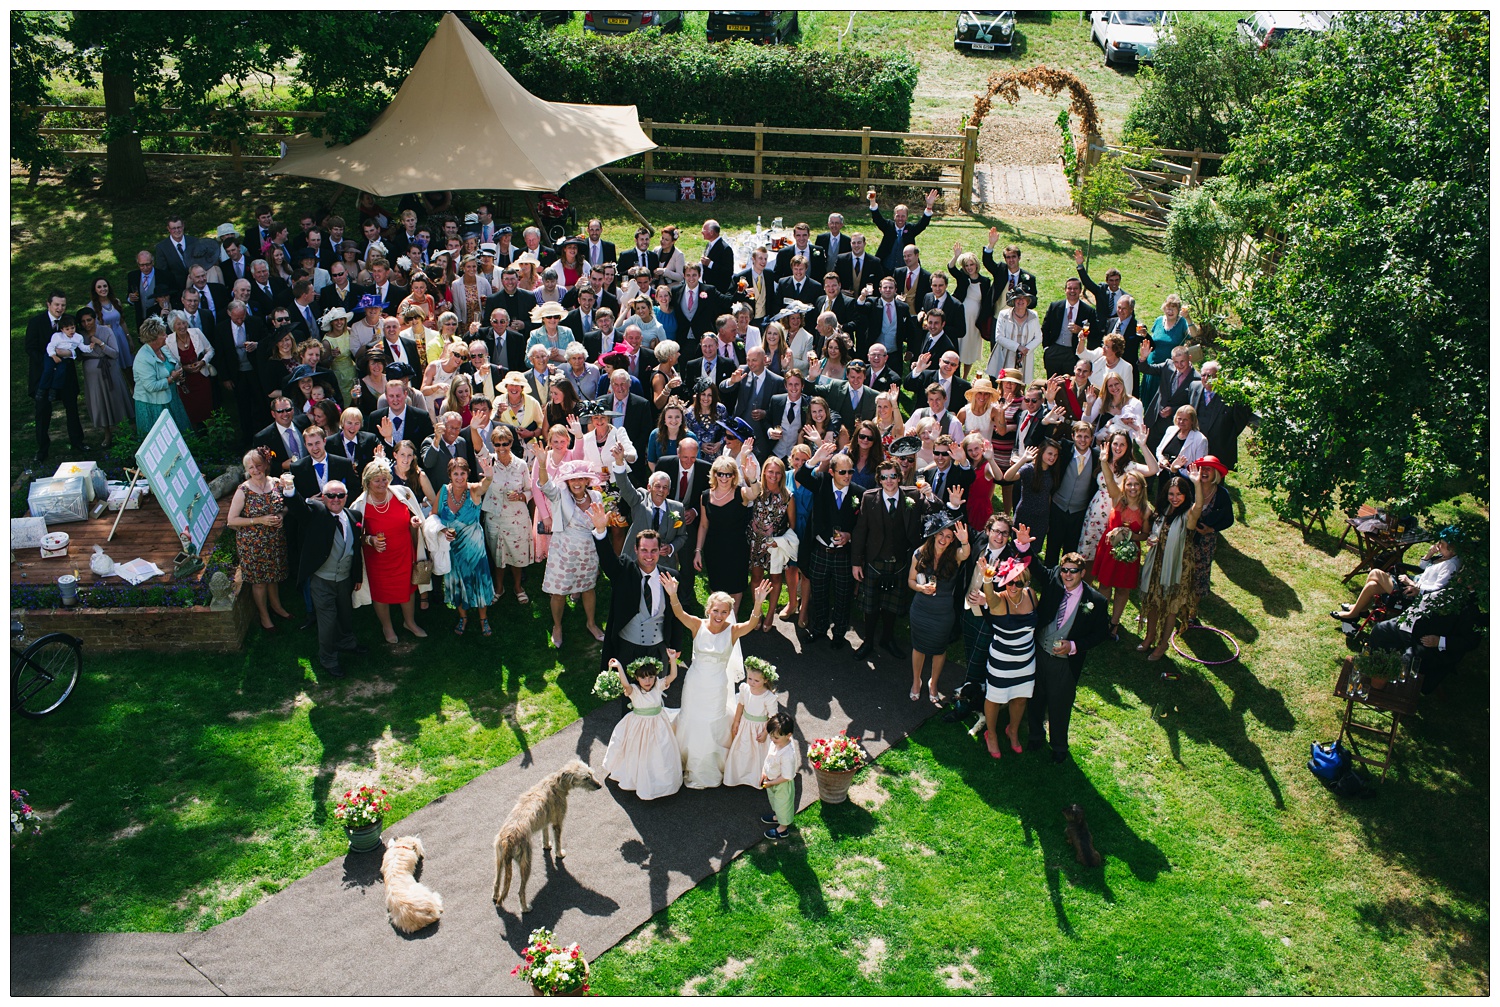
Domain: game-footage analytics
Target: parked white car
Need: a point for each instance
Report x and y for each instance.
(1130, 36)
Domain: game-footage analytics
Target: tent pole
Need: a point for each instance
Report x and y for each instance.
(621, 197)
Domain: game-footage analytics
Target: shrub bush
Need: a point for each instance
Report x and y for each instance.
(678, 78)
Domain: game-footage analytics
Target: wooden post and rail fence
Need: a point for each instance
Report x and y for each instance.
(863, 167)
(1167, 172)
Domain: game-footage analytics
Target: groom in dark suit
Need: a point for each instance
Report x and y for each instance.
(640, 622)
(1072, 617)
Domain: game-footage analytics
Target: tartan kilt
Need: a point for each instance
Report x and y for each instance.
(894, 599)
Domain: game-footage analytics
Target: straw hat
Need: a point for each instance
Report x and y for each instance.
(981, 386)
(526, 259)
(1013, 375)
(514, 379)
(549, 309)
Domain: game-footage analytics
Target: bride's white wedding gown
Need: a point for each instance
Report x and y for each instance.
(702, 725)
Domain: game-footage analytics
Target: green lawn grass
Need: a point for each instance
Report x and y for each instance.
(180, 790)
(1229, 869)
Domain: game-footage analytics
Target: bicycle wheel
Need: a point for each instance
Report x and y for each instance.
(45, 674)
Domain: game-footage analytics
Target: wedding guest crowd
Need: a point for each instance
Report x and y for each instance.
(886, 441)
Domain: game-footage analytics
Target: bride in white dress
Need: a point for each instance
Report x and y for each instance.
(708, 687)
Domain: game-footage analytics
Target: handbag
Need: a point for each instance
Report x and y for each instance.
(1328, 761)
(421, 572)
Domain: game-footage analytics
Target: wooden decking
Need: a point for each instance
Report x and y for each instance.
(145, 534)
(1038, 186)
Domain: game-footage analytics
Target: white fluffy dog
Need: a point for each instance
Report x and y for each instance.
(411, 904)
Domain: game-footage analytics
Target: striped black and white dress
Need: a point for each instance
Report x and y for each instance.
(1011, 673)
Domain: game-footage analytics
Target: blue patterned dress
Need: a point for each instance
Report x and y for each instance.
(468, 583)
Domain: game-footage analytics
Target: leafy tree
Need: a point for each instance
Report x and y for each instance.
(1366, 352)
(1201, 90)
(33, 54)
(1207, 235)
(1104, 188)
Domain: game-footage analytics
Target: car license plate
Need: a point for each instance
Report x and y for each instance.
(982, 46)
(617, 20)
(737, 27)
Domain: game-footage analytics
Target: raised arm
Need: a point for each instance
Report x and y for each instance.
(762, 592)
(669, 584)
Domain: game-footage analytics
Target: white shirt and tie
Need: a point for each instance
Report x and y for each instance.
(596, 253)
(690, 301)
(293, 441)
(398, 420)
(320, 469)
(206, 297)
(312, 320)
(351, 448)
(791, 425)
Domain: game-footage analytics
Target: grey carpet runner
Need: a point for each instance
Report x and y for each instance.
(626, 860)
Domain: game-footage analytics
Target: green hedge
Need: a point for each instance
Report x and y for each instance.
(679, 78)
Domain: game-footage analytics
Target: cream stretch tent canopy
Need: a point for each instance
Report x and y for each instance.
(497, 136)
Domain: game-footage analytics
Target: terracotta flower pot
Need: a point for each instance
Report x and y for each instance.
(365, 838)
(833, 788)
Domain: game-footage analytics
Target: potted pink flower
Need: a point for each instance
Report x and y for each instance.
(553, 970)
(835, 760)
(362, 811)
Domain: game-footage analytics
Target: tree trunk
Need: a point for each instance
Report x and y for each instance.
(125, 169)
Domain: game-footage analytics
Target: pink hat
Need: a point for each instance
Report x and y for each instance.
(1010, 570)
(578, 468)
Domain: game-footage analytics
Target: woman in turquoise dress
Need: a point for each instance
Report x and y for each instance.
(468, 583)
(1170, 330)
(156, 377)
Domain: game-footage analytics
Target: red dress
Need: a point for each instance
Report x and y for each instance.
(389, 572)
(1109, 571)
(197, 391)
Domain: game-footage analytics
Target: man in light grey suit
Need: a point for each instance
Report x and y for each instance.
(747, 392)
(652, 510)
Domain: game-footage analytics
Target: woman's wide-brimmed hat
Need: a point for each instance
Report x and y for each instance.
(791, 308)
(577, 243)
(577, 468)
(515, 379)
(905, 447)
(550, 309)
(1011, 569)
(526, 259)
(332, 315)
(1015, 292)
(1212, 462)
(305, 371)
(981, 386)
(369, 301)
(937, 521)
(1012, 375)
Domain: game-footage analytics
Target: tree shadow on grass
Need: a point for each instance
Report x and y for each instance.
(1463, 940)
(1276, 596)
(1432, 813)
(1192, 707)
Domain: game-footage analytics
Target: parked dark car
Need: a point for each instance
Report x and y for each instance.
(619, 22)
(768, 26)
(984, 30)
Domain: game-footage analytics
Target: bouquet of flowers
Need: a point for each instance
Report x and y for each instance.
(21, 814)
(766, 668)
(607, 685)
(835, 755)
(552, 969)
(362, 807)
(1126, 549)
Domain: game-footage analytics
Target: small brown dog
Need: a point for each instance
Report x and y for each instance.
(1078, 834)
(543, 805)
(411, 904)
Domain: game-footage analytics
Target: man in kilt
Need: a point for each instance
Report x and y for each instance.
(834, 516)
(888, 531)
